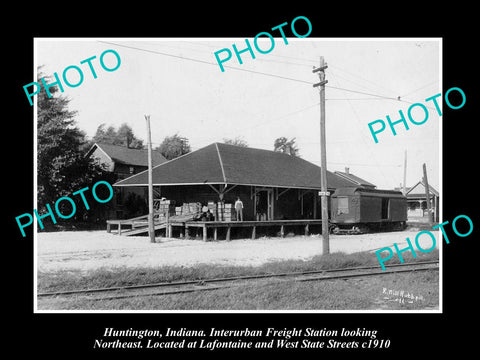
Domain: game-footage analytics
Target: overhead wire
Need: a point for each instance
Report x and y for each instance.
(206, 62)
(357, 119)
(269, 55)
(380, 97)
(363, 85)
(372, 96)
(361, 78)
(256, 72)
(420, 88)
(330, 99)
(398, 98)
(277, 118)
(362, 92)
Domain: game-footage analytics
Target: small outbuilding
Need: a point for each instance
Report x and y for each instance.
(124, 162)
(417, 202)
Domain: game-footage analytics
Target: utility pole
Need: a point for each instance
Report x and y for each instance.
(405, 175)
(427, 194)
(323, 153)
(151, 229)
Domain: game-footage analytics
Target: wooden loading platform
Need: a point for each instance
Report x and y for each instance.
(139, 225)
(215, 225)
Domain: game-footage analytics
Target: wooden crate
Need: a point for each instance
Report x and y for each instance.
(225, 212)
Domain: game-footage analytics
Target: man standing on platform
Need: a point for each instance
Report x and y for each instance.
(239, 209)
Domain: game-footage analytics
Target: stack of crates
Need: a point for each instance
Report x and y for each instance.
(225, 212)
(229, 213)
(221, 211)
(195, 208)
(162, 207)
(188, 208)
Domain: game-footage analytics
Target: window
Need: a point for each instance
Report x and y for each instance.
(342, 205)
(132, 169)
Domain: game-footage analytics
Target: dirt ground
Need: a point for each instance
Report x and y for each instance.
(89, 250)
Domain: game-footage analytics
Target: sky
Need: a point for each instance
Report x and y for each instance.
(178, 82)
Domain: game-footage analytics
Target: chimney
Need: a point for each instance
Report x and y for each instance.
(347, 170)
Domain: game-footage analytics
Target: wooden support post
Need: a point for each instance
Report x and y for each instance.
(187, 233)
(204, 227)
(228, 233)
(254, 232)
(427, 194)
(151, 229)
(282, 231)
(108, 227)
(405, 175)
(215, 233)
(168, 227)
(119, 230)
(323, 159)
(306, 230)
(301, 206)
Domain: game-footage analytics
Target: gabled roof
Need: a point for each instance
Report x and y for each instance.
(355, 179)
(128, 156)
(220, 163)
(419, 190)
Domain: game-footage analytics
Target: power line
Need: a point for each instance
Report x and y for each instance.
(214, 47)
(420, 88)
(363, 93)
(251, 71)
(380, 97)
(157, 52)
(274, 119)
(399, 98)
(362, 85)
(361, 78)
(354, 99)
(206, 62)
(357, 119)
(269, 55)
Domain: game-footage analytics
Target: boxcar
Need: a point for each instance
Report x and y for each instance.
(359, 210)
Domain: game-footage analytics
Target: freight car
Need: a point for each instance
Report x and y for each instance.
(358, 210)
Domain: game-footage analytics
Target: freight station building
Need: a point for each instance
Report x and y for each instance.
(275, 188)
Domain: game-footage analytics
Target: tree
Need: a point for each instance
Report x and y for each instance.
(125, 133)
(124, 136)
(238, 141)
(106, 136)
(282, 144)
(62, 167)
(174, 146)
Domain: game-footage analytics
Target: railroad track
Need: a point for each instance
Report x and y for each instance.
(179, 287)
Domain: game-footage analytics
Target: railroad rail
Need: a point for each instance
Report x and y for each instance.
(179, 287)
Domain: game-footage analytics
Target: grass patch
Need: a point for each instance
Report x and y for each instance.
(352, 294)
(123, 276)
